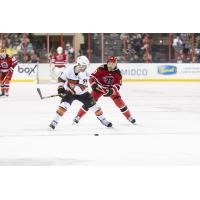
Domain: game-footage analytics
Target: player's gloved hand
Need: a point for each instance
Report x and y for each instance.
(94, 86)
(108, 92)
(61, 91)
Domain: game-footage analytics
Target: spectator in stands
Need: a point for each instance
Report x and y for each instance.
(197, 49)
(136, 44)
(146, 49)
(33, 57)
(16, 41)
(178, 48)
(130, 52)
(179, 57)
(147, 57)
(69, 51)
(43, 57)
(187, 45)
(177, 43)
(29, 46)
(8, 42)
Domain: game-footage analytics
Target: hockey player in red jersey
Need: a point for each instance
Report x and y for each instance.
(59, 60)
(7, 65)
(106, 81)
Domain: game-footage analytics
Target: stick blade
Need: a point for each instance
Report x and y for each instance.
(39, 92)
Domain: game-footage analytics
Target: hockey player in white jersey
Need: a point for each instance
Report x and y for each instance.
(72, 85)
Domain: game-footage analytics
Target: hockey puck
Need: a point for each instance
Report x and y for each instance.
(96, 134)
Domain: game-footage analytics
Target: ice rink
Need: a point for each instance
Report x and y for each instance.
(167, 130)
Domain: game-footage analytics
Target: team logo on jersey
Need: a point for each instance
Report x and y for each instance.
(59, 57)
(4, 65)
(167, 69)
(109, 80)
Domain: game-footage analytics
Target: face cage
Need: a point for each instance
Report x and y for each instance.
(82, 67)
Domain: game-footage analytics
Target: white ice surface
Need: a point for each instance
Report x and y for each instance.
(167, 130)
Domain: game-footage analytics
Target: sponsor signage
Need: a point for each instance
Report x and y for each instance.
(130, 71)
(167, 69)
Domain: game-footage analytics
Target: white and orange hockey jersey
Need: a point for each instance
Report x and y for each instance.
(76, 82)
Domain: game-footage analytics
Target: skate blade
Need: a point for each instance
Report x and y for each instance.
(50, 129)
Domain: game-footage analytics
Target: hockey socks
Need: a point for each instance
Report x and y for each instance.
(124, 109)
(81, 112)
(59, 113)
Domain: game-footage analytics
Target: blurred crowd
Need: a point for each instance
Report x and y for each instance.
(129, 47)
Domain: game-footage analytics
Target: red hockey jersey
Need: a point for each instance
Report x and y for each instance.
(59, 60)
(106, 78)
(7, 63)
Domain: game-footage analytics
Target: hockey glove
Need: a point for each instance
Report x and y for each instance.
(108, 92)
(94, 86)
(61, 91)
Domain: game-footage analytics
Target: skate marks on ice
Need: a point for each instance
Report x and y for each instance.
(83, 130)
(41, 161)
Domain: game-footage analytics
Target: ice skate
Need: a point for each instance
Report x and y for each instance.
(53, 124)
(130, 119)
(105, 122)
(2, 94)
(76, 120)
(6, 94)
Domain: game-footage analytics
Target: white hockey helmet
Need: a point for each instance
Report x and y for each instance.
(59, 50)
(83, 60)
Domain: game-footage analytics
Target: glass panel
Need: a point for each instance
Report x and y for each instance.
(95, 47)
(135, 47)
(128, 47)
(197, 47)
(68, 46)
(113, 45)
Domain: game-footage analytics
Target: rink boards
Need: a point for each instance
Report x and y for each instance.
(131, 72)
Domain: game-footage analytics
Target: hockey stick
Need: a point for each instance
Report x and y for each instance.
(100, 90)
(5, 77)
(50, 96)
(46, 97)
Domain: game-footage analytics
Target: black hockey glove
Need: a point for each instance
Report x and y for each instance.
(108, 92)
(94, 87)
(61, 91)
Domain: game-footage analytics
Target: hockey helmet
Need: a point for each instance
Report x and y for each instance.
(83, 62)
(59, 50)
(112, 59)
